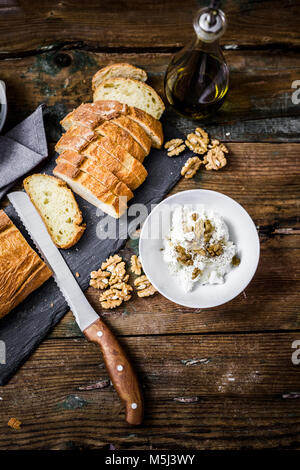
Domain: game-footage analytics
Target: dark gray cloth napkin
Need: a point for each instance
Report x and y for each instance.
(22, 149)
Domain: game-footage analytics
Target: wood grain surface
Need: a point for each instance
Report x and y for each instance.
(30, 25)
(212, 379)
(240, 393)
(259, 106)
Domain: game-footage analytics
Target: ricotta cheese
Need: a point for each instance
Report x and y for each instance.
(197, 249)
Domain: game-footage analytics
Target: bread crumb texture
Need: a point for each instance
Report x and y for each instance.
(58, 208)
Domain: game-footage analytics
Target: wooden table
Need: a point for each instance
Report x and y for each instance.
(213, 379)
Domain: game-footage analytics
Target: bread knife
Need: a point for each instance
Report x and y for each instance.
(119, 368)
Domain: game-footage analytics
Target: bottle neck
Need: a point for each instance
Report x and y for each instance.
(208, 47)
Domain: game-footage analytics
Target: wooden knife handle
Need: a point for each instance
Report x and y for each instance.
(120, 370)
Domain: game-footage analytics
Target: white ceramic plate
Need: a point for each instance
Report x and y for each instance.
(3, 104)
(242, 232)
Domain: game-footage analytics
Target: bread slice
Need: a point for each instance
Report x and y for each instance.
(93, 168)
(121, 137)
(131, 92)
(135, 130)
(58, 208)
(118, 70)
(82, 116)
(151, 126)
(91, 190)
(127, 168)
(92, 114)
(75, 138)
(21, 269)
(95, 152)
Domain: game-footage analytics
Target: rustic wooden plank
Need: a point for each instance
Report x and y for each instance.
(259, 105)
(255, 178)
(270, 302)
(232, 396)
(34, 25)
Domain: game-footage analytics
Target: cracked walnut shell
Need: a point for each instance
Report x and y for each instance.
(144, 287)
(191, 167)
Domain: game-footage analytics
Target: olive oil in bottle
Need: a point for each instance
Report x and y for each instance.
(196, 81)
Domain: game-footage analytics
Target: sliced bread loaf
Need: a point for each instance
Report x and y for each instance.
(75, 138)
(91, 189)
(151, 126)
(93, 168)
(135, 130)
(92, 114)
(121, 137)
(117, 166)
(104, 146)
(58, 208)
(118, 70)
(131, 92)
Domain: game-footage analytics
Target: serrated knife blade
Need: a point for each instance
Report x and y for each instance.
(117, 363)
(84, 314)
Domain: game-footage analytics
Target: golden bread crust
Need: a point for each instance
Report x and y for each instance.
(21, 269)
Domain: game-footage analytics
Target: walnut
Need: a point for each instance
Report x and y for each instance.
(14, 423)
(215, 249)
(136, 266)
(208, 229)
(195, 216)
(197, 141)
(111, 260)
(184, 257)
(118, 273)
(215, 158)
(174, 147)
(197, 272)
(173, 143)
(115, 278)
(213, 143)
(199, 251)
(100, 279)
(114, 296)
(113, 271)
(191, 167)
(235, 261)
(144, 286)
(118, 269)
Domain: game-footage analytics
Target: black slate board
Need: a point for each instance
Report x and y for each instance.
(24, 328)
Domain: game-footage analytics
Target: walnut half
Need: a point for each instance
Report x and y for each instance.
(174, 147)
(197, 141)
(100, 279)
(144, 287)
(215, 157)
(136, 266)
(191, 167)
(113, 297)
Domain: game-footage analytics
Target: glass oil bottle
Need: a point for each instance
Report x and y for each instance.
(196, 81)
